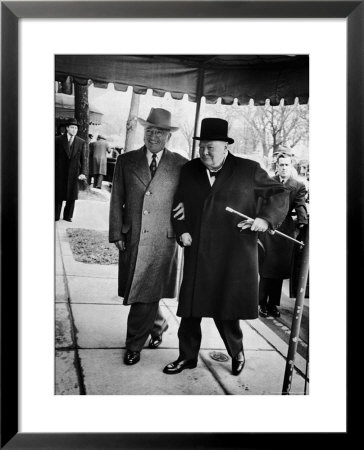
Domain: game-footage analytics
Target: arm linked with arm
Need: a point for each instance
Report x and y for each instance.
(179, 226)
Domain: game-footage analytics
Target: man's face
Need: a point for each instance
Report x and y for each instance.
(212, 153)
(155, 139)
(284, 167)
(72, 130)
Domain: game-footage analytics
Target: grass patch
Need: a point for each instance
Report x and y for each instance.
(92, 247)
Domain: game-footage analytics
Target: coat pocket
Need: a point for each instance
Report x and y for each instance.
(125, 227)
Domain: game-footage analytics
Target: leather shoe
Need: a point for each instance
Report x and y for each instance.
(237, 365)
(179, 365)
(68, 220)
(263, 312)
(131, 357)
(155, 342)
(274, 312)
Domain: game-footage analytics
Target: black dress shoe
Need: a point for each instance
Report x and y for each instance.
(237, 365)
(179, 365)
(131, 357)
(263, 312)
(68, 220)
(155, 342)
(274, 311)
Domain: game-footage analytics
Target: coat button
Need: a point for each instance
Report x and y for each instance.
(145, 231)
(146, 212)
(148, 193)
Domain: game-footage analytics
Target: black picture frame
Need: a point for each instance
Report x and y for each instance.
(11, 12)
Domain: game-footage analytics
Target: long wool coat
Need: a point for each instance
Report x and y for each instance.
(98, 157)
(69, 164)
(276, 257)
(140, 213)
(220, 275)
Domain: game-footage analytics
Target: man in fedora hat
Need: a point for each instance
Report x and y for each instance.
(220, 273)
(70, 166)
(143, 188)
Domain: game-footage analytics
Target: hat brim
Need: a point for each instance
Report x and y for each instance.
(214, 138)
(144, 123)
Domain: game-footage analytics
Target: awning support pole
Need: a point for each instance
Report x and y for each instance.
(200, 82)
(82, 115)
(297, 316)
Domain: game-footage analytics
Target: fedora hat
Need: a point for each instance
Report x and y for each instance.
(71, 121)
(214, 130)
(160, 118)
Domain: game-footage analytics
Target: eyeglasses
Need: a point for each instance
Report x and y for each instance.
(158, 132)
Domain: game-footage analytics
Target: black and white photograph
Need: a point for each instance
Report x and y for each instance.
(181, 222)
(181, 209)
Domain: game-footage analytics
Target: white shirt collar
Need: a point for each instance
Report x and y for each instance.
(158, 156)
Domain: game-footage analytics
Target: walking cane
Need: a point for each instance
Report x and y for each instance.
(298, 310)
(296, 321)
(231, 210)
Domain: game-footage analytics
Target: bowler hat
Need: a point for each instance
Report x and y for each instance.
(214, 130)
(160, 118)
(71, 121)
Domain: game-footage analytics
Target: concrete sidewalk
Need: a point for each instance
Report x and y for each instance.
(91, 329)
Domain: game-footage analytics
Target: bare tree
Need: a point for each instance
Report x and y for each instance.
(186, 129)
(278, 125)
(132, 122)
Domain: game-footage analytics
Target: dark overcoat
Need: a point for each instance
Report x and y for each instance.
(220, 275)
(140, 214)
(277, 252)
(69, 164)
(98, 157)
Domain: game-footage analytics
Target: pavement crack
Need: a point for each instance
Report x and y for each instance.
(77, 360)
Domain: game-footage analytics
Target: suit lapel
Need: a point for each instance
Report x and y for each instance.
(201, 177)
(164, 167)
(140, 166)
(66, 146)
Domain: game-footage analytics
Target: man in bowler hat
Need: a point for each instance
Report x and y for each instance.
(220, 273)
(70, 166)
(144, 184)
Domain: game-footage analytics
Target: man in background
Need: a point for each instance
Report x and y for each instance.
(98, 160)
(275, 252)
(70, 166)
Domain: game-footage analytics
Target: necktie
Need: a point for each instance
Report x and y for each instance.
(213, 174)
(153, 165)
